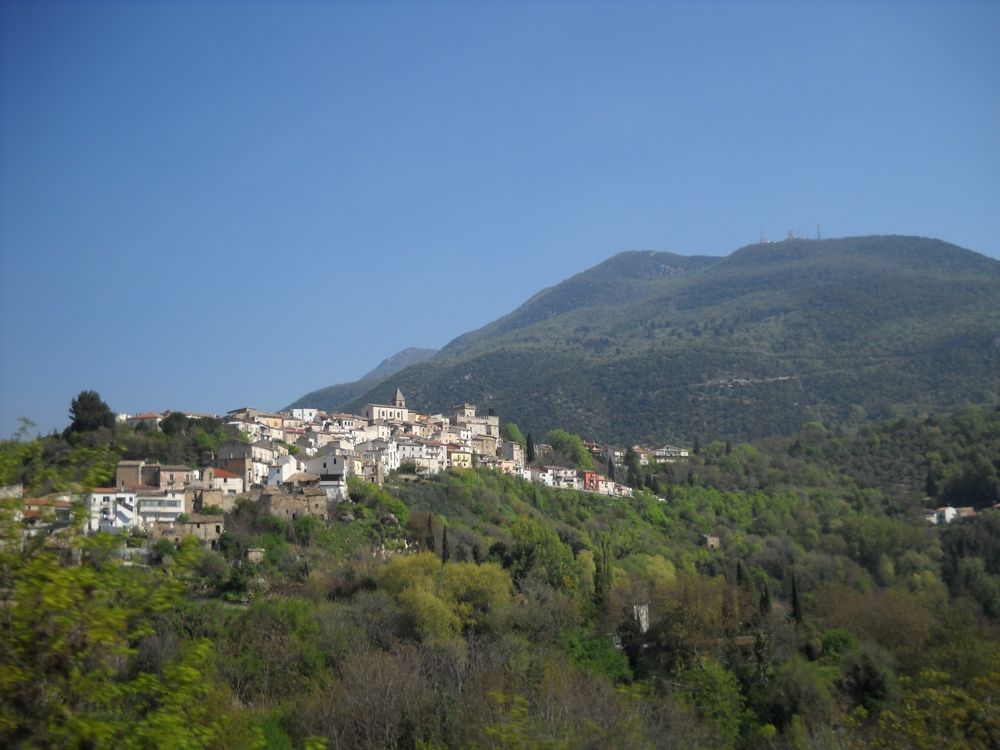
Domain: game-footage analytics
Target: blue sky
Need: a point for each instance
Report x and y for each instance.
(209, 204)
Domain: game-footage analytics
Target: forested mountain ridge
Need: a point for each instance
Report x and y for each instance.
(625, 277)
(653, 347)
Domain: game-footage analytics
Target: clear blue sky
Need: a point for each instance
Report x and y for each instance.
(208, 204)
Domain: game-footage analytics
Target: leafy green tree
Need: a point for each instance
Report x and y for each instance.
(937, 713)
(68, 659)
(597, 654)
(537, 551)
(475, 593)
(631, 637)
(272, 650)
(868, 677)
(88, 413)
(633, 468)
(571, 446)
(513, 433)
(432, 618)
(977, 485)
(798, 689)
(714, 692)
(175, 423)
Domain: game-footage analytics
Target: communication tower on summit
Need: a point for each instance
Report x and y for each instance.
(763, 239)
(818, 235)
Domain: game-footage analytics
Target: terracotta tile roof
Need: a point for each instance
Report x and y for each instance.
(224, 474)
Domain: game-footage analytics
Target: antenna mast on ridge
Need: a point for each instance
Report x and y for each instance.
(818, 235)
(763, 239)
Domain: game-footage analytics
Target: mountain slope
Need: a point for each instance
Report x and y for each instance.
(334, 397)
(628, 275)
(656, 347)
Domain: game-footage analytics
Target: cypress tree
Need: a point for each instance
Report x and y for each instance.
(611, 469)
(530, 451)
(445, 552)
(765, 600)
(602, 574)
(429, 538)
(796, 603)
(631, 637)
(741, 574)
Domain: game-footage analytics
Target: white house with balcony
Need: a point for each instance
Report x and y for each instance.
(159, 505)
(111, 509)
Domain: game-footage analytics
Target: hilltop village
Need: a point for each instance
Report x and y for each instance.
(298, 462)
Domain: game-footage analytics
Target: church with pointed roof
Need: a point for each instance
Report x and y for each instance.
(394, 412)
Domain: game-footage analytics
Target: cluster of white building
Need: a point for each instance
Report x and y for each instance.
(382, 439)
(310, 448)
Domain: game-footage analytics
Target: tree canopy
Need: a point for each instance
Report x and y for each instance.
(88, 412)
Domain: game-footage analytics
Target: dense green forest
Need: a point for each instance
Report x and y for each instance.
(476, 610)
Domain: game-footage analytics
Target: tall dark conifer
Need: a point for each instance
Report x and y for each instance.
(796, 602)
(765, 601)
(429, 538)
(602, 575)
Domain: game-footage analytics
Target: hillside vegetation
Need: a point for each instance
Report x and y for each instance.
(654, 347)
(475, 610)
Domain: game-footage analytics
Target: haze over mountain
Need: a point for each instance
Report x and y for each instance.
(651, 346)
(333, 397)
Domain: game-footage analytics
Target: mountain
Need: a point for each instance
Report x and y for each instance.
(399, 361)
(334, 397)
(653, 347)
